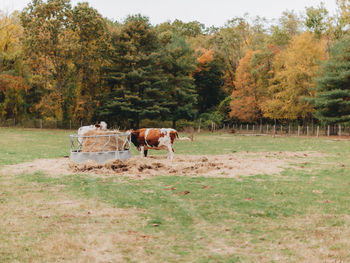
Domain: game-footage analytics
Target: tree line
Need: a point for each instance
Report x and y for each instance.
(59, 62)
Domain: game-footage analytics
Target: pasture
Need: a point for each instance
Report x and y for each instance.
(290, 203)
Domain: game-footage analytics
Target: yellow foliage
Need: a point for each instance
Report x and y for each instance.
(294, 71)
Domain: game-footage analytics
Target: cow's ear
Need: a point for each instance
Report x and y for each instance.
(97, 125)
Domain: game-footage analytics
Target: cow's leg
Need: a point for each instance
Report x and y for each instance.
(145, 152)
(141, 150)
(170, 152)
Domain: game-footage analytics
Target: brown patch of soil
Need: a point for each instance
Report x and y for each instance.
(231, 165)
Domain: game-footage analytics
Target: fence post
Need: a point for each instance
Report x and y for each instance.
(281, 129)
(307, 130)
(267, 128)
(199, 126)
(55, 123)
(240, 129)
(247, 128)
(41, 123)
(253, 128)
(70, 124)
(339, 132)
(328, 130)
(298, 130)
(289, 129)
(318, 131)
(274, 130)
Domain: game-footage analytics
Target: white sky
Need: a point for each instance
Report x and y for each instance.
(208, 12)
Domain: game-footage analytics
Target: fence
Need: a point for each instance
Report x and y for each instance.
(40, 123)
(292, 130)
(247, 129)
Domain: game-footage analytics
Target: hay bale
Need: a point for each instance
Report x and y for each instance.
(95, 144)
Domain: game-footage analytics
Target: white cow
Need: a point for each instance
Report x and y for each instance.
(84, 129)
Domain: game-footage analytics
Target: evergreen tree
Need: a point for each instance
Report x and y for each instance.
(209, 82)
(333, 87)
(135, 74)
(178, 63)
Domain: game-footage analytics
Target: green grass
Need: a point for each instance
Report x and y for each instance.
(301, 215)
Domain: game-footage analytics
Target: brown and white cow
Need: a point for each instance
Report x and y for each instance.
(154, 138)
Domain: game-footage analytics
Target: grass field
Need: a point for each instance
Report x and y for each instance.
(300, 215)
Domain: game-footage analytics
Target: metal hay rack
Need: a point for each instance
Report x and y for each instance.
(100, 148)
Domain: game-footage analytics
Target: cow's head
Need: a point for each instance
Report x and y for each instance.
(103, 125)
(133, 137)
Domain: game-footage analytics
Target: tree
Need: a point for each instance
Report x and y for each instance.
(209, 81)
(316, 19)
(332, 102)
(178, 62)
(229, 45)
(12, 96)
(294, 71)
(48, 44)
(135, 76)
(247, 96)
(90, 54)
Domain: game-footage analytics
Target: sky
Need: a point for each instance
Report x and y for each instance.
(209, 12)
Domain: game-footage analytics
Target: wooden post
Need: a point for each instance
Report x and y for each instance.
(253, 128)
(328, 130)
(70, 124)
(288, 129)
(318, 131)
(267, 128)
(199, 126)
(41, 123)
(281, 129)
(298, 130)
(307, 130)
(274, 130)
(240, 128)
(55, 123)
(247, 128)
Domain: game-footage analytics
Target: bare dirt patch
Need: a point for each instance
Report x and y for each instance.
(232, 165)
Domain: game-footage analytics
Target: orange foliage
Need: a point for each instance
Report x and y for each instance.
(206, 56)
(245, 98)
(12, 82)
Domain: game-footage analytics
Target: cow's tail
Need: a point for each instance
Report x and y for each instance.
(181, 138)
(184, 139)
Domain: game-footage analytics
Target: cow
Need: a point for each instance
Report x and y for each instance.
(154, 138)
(84, 129)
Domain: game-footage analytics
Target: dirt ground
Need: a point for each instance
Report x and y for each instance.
(232, 165)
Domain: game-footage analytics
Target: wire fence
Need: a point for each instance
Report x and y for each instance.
(291, 130)
(42, 124)
(238, 128)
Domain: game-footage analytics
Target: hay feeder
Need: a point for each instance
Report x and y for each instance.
(100, 146)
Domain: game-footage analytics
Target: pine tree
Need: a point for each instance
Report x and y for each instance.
(178, 63)
(135, 74)
(333, 87)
